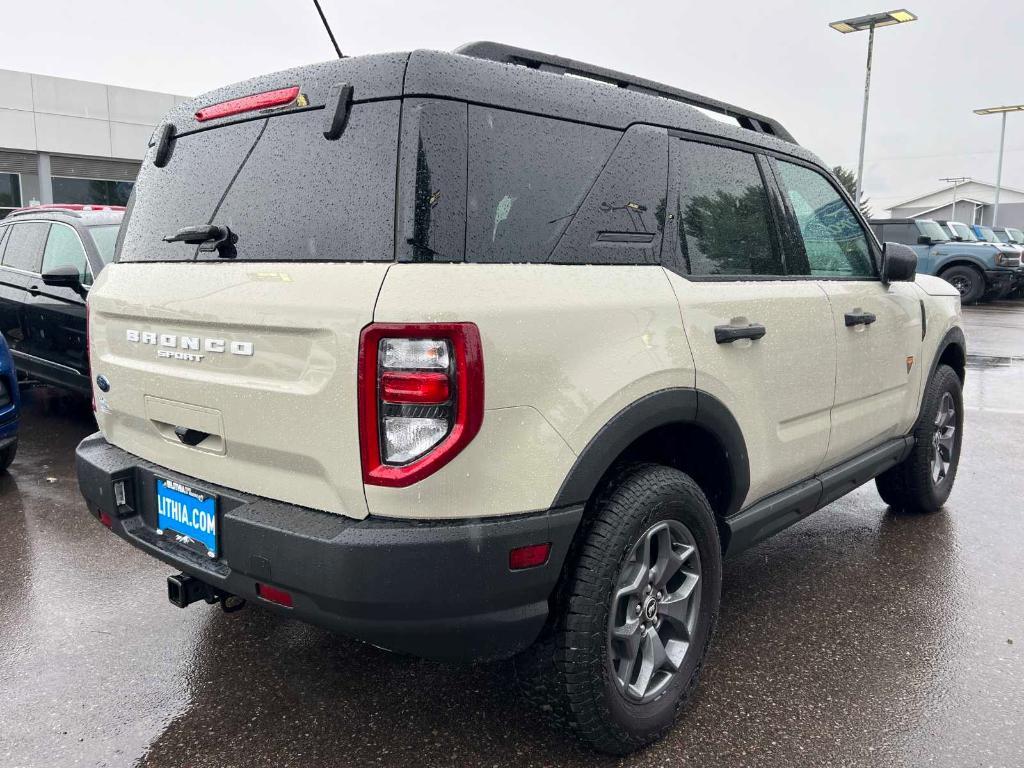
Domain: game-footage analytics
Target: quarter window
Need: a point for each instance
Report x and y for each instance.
(722, 214)
(25, 246)
(834, 240)
(528, 176)
(63, 248)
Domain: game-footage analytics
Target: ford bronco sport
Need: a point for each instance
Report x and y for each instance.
(467, 358)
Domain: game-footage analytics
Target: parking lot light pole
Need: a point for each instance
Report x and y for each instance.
(1002, 139)
(956, 180)
(869, 23)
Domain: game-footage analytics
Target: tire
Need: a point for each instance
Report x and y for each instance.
(917, 484)
(969, 281)
(576, 671)
(7, 456)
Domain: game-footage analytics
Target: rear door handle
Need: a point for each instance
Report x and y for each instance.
(190, 437)
(725, 334)
(859, 318)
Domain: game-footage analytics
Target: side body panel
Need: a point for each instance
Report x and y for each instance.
(878, 367)
(780, 387)
(565, 349)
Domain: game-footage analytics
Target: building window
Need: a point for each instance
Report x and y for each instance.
(91, 191)
(10, 193)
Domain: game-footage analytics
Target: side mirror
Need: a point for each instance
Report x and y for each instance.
(924, 240)
(65, 276)
(899, 263)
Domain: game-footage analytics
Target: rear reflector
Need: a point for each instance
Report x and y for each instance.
(529, 557)
(106, 519)
(414, 387)
(274, 595)
(252, 103)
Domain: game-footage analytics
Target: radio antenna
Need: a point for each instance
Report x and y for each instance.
(328, 28)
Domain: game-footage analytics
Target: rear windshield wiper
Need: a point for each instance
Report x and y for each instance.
(209, 238)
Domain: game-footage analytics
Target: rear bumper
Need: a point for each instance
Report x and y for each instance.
(434, 589)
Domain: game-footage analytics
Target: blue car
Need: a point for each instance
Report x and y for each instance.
(10, 404)
(977, 270)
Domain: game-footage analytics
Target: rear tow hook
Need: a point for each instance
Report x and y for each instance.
(183, 590)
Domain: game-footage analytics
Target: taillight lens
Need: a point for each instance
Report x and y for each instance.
(421, 398)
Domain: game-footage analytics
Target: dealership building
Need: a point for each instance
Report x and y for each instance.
(70, 141)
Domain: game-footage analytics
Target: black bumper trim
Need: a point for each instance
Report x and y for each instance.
(438, 589)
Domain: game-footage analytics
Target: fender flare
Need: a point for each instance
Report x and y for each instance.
(960, 260)
(954, 337)
(667, 406)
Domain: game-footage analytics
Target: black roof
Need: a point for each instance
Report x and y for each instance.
(511, 78)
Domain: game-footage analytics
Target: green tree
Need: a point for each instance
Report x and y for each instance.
(849, 181)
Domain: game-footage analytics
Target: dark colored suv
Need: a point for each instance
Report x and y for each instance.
(49, 256)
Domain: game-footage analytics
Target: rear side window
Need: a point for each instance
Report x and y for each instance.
(24, 249)
(721, 211)
(286, 192)
(528, 176)
(834, 242)
(63, 247)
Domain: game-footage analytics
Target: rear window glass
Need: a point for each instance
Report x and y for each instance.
(528, 177)
(285, 191)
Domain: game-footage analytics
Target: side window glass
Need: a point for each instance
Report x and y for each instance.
(432, 181)
(63, 247)
(25, 246)
(834, 241)
(528, 176)
(721, 213)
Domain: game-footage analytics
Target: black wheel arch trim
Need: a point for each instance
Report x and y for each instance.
(954, 338)
(680, 405)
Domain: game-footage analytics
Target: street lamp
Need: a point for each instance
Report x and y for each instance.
(955, 180)
(1002, 137)
(869, 23)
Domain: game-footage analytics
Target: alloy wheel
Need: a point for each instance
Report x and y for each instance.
(943, 443)
(654, 610)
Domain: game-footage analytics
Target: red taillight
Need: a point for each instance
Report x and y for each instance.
(529, 557)
(421, 398)
(252, 103)
(274, 595)
(106, 519)
(421, 388)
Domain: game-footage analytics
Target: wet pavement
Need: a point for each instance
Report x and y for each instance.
(857, 637)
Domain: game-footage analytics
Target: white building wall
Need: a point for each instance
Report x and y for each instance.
(73, 117)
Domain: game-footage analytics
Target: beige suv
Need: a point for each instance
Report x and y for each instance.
(467, 358)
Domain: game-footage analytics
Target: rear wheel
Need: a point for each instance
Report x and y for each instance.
(7, 456)
(924, 480)
(637, 614)
(968, 281)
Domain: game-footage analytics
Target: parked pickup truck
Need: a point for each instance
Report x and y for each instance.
(975, 269)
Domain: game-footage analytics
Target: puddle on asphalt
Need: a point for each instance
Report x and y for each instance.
(992, 361)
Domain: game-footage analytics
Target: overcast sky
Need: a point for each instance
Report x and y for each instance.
(778, 57)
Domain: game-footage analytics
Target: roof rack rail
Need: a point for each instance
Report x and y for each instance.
(508, 54)
(71, 209)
